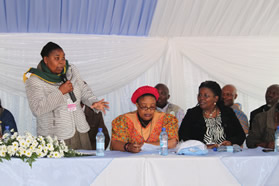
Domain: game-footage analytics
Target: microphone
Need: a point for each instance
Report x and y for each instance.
(72, 95)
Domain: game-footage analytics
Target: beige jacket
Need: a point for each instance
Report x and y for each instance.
(49, 105)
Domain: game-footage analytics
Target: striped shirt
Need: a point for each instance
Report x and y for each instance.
(50, 106)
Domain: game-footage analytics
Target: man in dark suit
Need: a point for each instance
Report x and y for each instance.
(271, 97)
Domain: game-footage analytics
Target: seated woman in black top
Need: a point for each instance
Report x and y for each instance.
(210, 121)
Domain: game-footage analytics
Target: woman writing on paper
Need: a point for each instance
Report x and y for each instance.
(131, 130)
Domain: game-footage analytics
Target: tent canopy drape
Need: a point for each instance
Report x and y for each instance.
(179, 42)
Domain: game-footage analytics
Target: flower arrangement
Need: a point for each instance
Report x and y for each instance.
(29, 148)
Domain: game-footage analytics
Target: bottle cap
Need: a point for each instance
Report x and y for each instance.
(278, 127)
(100, 129)
(215, 149)
(163, 129)
(7, 127)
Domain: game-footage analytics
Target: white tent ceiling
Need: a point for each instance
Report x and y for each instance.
(187, 18)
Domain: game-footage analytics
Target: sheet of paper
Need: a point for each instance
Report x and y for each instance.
(149, 147)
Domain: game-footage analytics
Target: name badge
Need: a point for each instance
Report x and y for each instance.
(71, 106)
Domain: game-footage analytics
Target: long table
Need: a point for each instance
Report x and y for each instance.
(251, 167)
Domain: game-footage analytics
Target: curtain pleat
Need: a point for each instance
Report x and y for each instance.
(115, 66)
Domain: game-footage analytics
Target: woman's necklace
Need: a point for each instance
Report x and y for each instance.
(211, 113)
(150, 128)
(144, 124)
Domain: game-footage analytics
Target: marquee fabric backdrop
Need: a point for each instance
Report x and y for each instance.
(121, 45)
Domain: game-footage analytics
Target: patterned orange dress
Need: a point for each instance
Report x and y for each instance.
(127, 128)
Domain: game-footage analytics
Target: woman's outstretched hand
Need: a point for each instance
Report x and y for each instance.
(100, 105)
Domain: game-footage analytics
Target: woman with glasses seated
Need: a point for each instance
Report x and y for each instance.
(131, 130)
(211, 122)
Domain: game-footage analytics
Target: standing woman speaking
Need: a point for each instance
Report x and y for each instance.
(50, 89)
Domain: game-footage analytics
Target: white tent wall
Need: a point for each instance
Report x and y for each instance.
(114, 66)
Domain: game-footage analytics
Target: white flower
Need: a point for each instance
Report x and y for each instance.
(50, 147)
(3, 148)
(22, 143)
(50, 155)
(40, 153)
(10, 150)
(29, 140)
(64, 148)
(63, 142)
(14, 136)
(15, 148)
(49, 139)
(55, 143)
(2, 153)
(28, 153)
(19, 138)
(15, 144)
(61, 153)
(40, 147)
(5, 135)
(40, 138)
(32, 148)
(45, 149)
(21, 151)
(43, 143)
(25, 146)
(35, 143)
(56, 154)
(28, 134)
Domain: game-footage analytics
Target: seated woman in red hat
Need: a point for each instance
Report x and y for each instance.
(131, 130)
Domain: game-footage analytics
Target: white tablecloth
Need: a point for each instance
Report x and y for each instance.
(247, 168)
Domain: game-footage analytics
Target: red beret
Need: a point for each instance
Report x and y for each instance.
(144, 90)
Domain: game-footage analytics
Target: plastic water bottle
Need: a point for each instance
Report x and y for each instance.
(100, 143)
(234, 148)
(164, 142)
(276, 140)
(7, 132)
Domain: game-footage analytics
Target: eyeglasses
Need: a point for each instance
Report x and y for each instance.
(146, 108)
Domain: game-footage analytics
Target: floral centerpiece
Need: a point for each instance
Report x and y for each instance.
(29, 148)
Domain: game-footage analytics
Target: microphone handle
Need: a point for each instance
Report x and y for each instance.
(73, 97)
